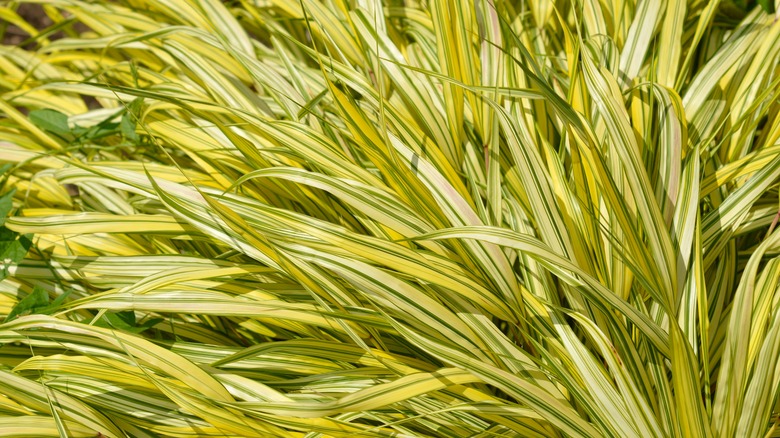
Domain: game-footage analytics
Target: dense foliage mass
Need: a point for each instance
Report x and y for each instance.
(419, 218)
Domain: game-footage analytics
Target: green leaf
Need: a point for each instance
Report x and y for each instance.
(6, 204)
(103, 129)
(127, 126)
(6, 236)
(126, 321)
(52, 121)
(30, 304)
(767, 5)
(15, 249)
(5, 167)
(59, 300)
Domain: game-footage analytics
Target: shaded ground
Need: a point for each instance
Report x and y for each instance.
(33, 14)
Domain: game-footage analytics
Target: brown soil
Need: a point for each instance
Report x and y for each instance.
(33, 14)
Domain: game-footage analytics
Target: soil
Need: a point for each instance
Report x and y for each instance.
(33, 14)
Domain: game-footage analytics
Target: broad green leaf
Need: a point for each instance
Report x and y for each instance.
(6, 204)
(53, 121)
(13, 247)
(32, 303)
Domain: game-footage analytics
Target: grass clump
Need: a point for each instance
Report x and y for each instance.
(419, 218)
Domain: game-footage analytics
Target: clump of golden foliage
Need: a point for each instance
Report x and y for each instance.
(412, 218)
